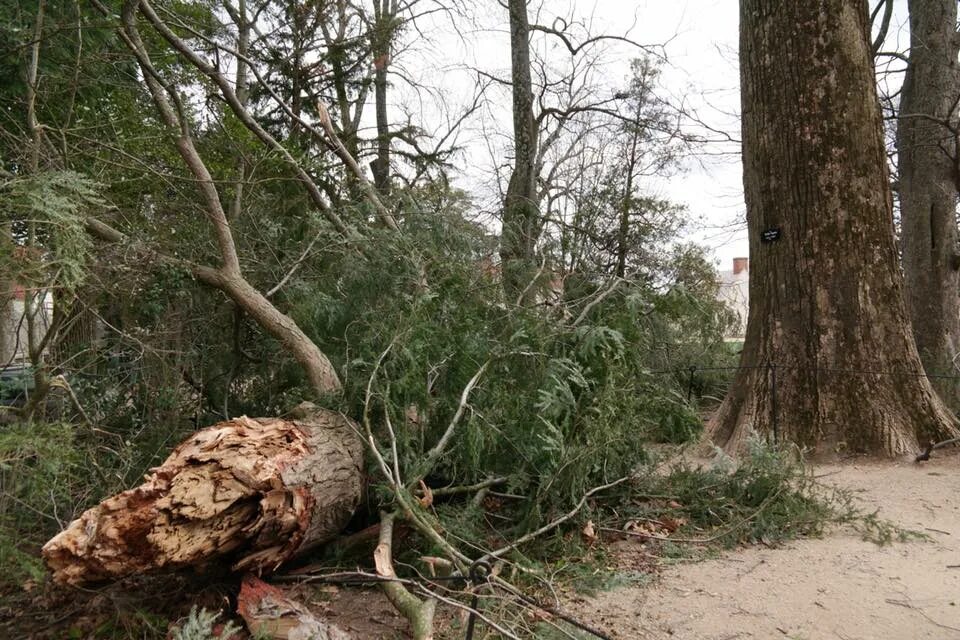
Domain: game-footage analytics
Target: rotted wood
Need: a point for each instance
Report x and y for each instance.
(254, 492)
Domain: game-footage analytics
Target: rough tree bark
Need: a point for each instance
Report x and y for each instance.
(385, 16)
(256, 491)
(928, 187)
(521, 214)
(826, 301)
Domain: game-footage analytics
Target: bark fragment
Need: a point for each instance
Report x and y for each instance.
(268, 613)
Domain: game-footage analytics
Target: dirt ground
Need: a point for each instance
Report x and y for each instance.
(839, 587)
(836, 588)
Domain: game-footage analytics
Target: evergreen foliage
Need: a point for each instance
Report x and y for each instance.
(581, 382)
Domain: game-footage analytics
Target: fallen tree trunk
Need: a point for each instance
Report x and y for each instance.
(255, 492)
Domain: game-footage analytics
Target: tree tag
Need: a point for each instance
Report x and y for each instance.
(770, 235)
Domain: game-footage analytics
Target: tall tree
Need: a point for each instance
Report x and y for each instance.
(928, 175)
(521, 216)
(826, 300)
(384, 25)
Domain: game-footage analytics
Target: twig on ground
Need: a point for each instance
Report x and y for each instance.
(908, 605)
(506, 586)
(933, 446)
(557, 522)
(722, 532)
(946, 533)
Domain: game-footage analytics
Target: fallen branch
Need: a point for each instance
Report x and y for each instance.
(719, 534)
(392, 476)
(352, 578)
(61, 382)
(434, 454)
(418, 612)
(933, 446)
(597, 300)
(484, 484)
(555, 523)
(908, 605)
(509, 588)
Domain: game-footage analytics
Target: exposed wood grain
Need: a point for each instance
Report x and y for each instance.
(254, 492)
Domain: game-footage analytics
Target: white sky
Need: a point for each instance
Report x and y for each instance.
(701, 45)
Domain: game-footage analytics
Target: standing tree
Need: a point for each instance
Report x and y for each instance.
(926, 152)
(521, 215)
(384, 25)
(826, 300)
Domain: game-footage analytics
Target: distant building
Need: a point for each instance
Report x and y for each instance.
(14, 325)
(14, 337)
(735, 293)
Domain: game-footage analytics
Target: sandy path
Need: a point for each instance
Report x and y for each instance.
(839, 587)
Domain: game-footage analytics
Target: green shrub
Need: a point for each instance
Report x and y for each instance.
(48, 475)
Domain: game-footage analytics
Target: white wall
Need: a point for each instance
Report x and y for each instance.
(14, 325)
(735, 293)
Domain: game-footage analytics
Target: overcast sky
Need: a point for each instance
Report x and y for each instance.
(701, 47)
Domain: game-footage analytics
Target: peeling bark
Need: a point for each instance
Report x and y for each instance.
(826, 299)
(254, 492)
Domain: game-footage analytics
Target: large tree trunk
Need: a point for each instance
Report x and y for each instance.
(521, 214)
(826, 305)
(255, 492)
(928, 191)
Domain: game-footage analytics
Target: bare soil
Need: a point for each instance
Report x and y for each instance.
(838, 587)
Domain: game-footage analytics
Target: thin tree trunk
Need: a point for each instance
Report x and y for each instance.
(8, 328)
(520, 208)
(385, 12)
(296, 13)
(826, 301)
(243, 95)
(34, 295)
(623, 233)
(928, 191)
